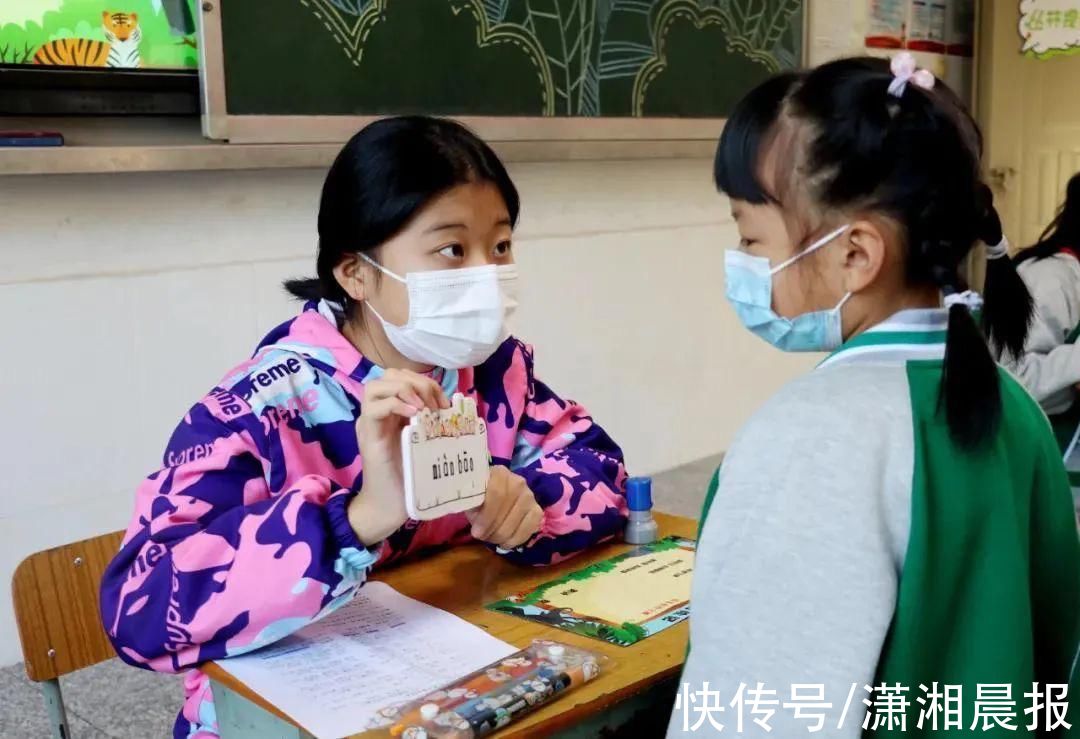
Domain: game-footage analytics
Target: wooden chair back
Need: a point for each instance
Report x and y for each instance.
(57, 608)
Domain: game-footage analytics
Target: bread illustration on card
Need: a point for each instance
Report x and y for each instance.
(445, 460)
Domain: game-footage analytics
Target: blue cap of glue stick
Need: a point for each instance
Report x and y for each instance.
(639, 493)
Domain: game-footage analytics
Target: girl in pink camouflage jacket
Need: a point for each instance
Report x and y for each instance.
(282, 487)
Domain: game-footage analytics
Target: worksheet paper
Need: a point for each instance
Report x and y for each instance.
(381, 649)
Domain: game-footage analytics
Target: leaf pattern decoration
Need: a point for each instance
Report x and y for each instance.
(565, 30)
(352, 7)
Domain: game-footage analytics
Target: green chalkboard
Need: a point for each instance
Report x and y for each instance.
(612, 58)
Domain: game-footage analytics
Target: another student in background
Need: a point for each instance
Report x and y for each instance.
(901, 514)
(1050, 364)
(281, 488)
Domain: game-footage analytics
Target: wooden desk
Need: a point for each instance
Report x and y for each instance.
(462, 581)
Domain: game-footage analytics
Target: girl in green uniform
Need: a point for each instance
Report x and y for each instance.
(900, 516)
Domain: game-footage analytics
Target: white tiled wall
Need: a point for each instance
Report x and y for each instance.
(126, 297)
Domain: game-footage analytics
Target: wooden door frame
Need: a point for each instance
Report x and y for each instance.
(998, 115)
(1002, 146)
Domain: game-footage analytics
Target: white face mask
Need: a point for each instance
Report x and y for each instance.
(457, 317)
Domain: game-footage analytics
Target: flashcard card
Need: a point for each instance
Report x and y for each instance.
(445, 460)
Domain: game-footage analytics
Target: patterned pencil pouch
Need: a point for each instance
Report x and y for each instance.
(489, 699)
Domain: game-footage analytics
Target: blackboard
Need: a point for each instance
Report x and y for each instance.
(519, 58)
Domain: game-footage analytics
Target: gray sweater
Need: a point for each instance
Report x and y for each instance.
(796, 576)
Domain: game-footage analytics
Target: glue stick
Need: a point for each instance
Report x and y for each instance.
(641, 528)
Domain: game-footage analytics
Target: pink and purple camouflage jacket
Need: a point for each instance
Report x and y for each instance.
(242, 537)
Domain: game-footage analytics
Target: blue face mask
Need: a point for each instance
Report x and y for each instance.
(749, 289)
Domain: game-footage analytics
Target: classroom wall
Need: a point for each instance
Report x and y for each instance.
(128, 296)
(835, 28)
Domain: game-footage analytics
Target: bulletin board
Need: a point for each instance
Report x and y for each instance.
(1050, 28)
(941, 34)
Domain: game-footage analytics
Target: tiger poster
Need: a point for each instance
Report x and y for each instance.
(121, 34)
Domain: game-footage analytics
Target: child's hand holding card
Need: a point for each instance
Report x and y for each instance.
(510, 515)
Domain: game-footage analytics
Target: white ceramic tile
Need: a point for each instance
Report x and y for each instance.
(76, 225)
(189, 330)
(636, 327)
(272, 304)
(87, 225)
(587, 197)
(68, 355)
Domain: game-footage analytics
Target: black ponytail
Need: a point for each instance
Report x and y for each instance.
(309, 288)
(915, 158)
(970, 391)
(1008, 306)
(970, 394)
(382, 178)
(970, 385)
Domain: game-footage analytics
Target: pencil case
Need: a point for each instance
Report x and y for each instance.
(490, 698)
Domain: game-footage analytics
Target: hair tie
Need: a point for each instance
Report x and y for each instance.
(999, 250)
(969, 299)
(905, 70)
